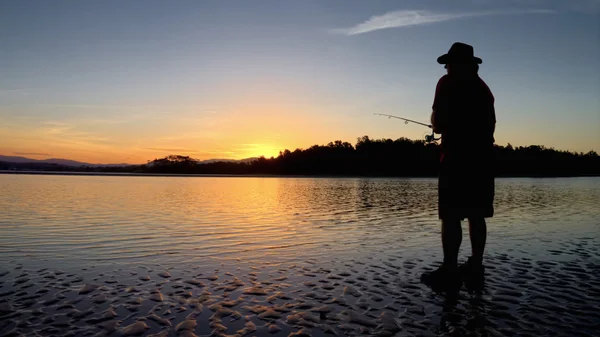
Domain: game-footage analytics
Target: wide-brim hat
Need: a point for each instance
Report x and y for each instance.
(461, 53)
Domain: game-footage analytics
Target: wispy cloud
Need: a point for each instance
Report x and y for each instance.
(580, 6)
(32, 154)
(406, 18)
(171, 149)
(586, 6)
(13, 92)
(56, 128)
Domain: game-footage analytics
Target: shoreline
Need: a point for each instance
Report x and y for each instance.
(381, 297)
(261, 175)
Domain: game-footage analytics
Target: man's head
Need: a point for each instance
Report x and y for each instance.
(461, 68)
(461, 53)
(460, 59)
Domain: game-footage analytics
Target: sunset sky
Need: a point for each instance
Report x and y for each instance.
(129, 81)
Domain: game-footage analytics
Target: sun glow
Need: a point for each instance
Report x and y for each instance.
(257, 150)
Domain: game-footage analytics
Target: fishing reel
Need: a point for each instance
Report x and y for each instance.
(431, 138)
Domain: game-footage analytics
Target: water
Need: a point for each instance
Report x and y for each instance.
(98, 225)
(81, 219)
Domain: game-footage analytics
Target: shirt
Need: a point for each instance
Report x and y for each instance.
(465, 111)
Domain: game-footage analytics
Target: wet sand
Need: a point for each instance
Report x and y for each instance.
(105, 256)
(380, 296)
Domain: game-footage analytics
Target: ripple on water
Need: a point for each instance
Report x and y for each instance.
(135, 255)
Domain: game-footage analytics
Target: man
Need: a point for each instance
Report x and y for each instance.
(463, 113)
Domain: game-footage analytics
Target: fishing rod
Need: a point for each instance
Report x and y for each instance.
(428, 138)
(406, 120)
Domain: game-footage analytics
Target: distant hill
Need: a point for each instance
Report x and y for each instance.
(68, 162)
(57, 161)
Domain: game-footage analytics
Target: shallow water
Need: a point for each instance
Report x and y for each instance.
(280, 256)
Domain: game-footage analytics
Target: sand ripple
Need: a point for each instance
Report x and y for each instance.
(380, 297)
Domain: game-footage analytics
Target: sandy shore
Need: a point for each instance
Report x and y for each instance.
(380, 296)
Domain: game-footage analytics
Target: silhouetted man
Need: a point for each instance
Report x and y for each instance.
(463, 112)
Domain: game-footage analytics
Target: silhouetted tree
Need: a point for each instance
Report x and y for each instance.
(369, 157)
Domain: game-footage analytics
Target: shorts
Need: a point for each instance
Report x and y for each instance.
(466, 190)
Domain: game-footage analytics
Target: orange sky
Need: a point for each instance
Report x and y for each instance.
(142, 133)
(255, 121)
(145, 133)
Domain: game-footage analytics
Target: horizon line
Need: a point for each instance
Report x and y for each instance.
(298, 148)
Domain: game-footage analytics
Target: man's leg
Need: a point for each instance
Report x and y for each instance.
(478, 235)
(451, 240)
(447, 276)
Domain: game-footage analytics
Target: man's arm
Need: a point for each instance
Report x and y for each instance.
(492, 110)
(493, 121)
(438, 120)
(440, 103)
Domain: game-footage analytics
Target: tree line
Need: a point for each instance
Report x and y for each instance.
(386, 157)
(377, 157)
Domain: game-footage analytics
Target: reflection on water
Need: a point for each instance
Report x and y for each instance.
(183, 219)
(180, 256)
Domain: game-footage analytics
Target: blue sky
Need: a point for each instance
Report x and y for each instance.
(114, 81)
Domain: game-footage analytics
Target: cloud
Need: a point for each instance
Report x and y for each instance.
(171, 149)
(56, 128)
(581, 6)
(32, 154)
(406, 18)
(588, 7)
(13, 92)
